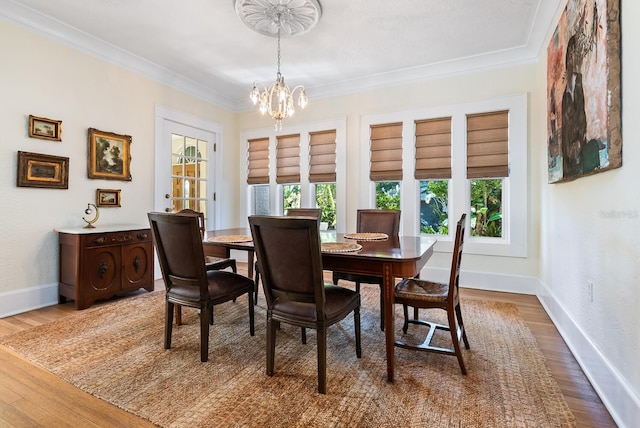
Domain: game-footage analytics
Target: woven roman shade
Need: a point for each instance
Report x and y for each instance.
(288, 159)
(433, 149)
(258, 159)
(322, 157)
(488, 145)
(386, 152)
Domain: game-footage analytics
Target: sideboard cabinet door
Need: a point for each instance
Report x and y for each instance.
(99, 265)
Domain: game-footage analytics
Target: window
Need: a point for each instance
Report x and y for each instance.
(304, 167)
(260, 200)
(487, 163)
(322, 173)
(326, 201)
(464, 158)
(258, 175)
(433, 169)
(288, 169)
(386, 164)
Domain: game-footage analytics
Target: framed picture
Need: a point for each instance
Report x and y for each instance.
(108, 197)
(583, 84)
(46, 129)
(109, 155)
(37, 170)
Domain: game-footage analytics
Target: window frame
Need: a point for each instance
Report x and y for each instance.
(515, 187)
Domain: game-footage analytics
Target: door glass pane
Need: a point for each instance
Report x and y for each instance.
(188, 173)
(486, 207)
(388, 195)
(326, 201)
(434, 209)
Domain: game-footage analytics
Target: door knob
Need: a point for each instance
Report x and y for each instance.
(167, 196)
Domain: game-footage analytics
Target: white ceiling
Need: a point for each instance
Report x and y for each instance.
(202, 47)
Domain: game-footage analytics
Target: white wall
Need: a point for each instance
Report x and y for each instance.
(590, 231)
(45, 78)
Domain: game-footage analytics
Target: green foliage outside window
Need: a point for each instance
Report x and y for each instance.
(326, 201)
(434, 210)
(486, 208)
(388, 195)
(291, 196)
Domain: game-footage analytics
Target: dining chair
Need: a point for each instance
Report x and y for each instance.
(297, 212)
(289, 256)
(373, 221)
(212, 262)
(420, 293)
(187, 280)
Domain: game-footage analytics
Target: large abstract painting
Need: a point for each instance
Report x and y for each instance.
(583, 78)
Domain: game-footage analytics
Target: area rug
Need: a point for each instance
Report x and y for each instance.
(115, 352)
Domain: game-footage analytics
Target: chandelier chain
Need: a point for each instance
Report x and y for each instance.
(278, 22)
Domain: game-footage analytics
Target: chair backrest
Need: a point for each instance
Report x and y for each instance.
(289, 259)
(379, 221)
(456, 262)
(197, 214)
(304, 212)
(180, 254)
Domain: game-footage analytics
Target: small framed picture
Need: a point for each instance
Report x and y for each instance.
(37, 170)
(109, 155)
(108, 197)
(46, 129)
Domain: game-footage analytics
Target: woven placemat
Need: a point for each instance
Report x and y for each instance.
(340, 247)
(367, 236)
(230, 238)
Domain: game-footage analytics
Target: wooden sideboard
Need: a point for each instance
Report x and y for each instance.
(102, 262)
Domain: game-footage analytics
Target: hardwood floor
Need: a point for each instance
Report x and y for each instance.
(32, 397)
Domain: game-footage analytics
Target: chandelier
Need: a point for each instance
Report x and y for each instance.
(273, 17)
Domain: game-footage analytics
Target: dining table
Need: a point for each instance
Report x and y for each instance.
(394, 257)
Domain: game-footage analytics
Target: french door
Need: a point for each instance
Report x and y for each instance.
(185, 164)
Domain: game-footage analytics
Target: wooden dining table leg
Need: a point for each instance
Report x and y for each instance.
(388, 282)
(250, 264)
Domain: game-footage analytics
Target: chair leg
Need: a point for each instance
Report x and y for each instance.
(336, 278)
(204, 333)
(461, 324)
(456, 340)
(252, 329)
(405, 326)
(271, 344)
(168, 325)
(234, 268)
(356, 322)
(257, 284)
(303, 335)
(381, 308)
(322, 360)
(178, 314)
(211, 315)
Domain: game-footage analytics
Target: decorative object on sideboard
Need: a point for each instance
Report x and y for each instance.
(46, 171)
(108, 197)
(96, 213)
(584, 125)
(276, 18)
(45, 129)
(109, 155)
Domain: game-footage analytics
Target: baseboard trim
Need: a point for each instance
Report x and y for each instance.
(486, 280)
(616, 394)
(19, 301)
